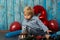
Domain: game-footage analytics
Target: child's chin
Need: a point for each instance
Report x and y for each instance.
(27, 19)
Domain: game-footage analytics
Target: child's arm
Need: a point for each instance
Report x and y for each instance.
(23, 26)
(42, 25)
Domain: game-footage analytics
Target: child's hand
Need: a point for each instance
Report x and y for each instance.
(47, 36)
(48, 31)
(32, 35)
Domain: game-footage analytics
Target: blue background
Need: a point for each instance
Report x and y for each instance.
(12, 10)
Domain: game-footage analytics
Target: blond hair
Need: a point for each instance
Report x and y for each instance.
(29, 10)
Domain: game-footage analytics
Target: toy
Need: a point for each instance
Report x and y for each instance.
(40, 10)
(12, 34)
(53, 25)
(15, 26)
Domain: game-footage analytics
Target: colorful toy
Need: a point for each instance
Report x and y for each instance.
(15, 26)
(53, 25)
(56, 35)
(12, 34)
(40, 10)
(39, 37)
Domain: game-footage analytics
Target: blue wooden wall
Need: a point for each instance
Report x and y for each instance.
(12, 10)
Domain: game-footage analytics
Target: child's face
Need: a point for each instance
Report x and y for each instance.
(27, 16)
